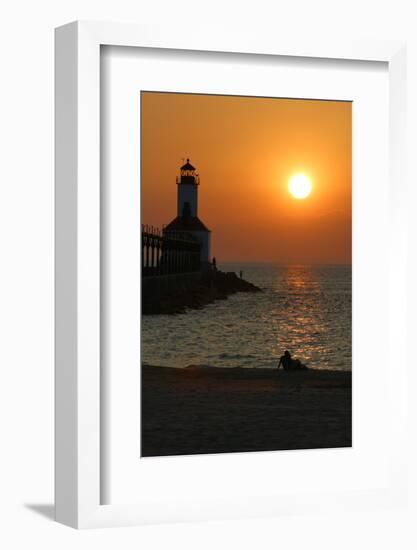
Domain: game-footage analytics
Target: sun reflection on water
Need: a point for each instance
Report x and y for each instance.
(305, 309)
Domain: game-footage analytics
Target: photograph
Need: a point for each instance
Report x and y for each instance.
(246, 277)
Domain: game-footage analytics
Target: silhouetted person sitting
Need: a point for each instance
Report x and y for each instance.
(288, 363)
(285, 360)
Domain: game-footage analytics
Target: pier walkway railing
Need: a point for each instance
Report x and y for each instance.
(166, 253)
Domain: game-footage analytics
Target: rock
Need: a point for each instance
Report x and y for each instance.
(186, 292)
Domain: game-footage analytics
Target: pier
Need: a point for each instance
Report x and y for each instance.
(168, 253)
(175, 279)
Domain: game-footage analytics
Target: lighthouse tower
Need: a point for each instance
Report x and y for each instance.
(188, 182)
(187, 220)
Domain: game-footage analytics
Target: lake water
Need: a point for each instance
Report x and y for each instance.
(305, 309)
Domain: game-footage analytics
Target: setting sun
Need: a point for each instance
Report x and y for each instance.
(300, 186)
(245, 175)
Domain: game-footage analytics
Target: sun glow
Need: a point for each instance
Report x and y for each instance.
(300, 186)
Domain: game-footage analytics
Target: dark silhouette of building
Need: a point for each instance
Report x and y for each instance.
(187, 221)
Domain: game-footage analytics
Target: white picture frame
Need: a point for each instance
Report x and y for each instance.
(78, 321)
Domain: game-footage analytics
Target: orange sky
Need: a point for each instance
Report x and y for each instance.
(245, 150)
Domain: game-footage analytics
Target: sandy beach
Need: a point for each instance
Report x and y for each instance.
(213, 410)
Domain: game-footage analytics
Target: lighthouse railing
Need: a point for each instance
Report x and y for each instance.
(168, 253)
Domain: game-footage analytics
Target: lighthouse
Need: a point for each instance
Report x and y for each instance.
(187, 220)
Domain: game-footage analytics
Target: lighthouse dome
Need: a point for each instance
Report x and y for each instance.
(187, 166)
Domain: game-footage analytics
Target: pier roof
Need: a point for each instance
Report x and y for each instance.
(184, 224)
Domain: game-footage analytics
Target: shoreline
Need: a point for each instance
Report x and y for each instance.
(204, 410)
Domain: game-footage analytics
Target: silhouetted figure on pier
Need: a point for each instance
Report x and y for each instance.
(214, 264)
(288, 363)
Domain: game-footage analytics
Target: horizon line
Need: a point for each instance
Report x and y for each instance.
(284, 263)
